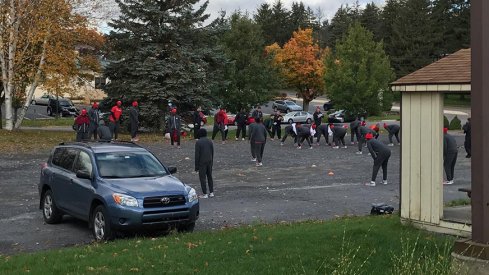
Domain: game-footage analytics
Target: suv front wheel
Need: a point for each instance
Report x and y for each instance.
(101, 225)
(50, 211)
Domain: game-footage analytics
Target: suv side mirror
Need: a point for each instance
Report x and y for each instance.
(83, 174)
(172, 169)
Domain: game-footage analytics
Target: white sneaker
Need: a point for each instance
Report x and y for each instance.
(203, 196)
(352, 143)
(237, 139)
(450, 182)
(359, 153)
(253, 159)
(242, 139)
(259, 164)
(211, 195)
(390, 144)
(310, 147)
(281, 144)
(272, 139)
(372, 183)
(336, 147)
(384, 182)
(344, 147)
(299, 147)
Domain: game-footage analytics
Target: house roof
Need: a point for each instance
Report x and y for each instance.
(452, 70)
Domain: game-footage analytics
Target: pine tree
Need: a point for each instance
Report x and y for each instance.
(161, 52)
(249, 77)
(412, 41)
(341, 22)
(370, 19)
(358, 75)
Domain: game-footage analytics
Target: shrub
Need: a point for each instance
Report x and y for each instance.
(446, 123)
(455, 124)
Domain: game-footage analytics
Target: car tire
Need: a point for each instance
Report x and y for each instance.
(50, 211)
(33, 102)
(290, 121)
(288, 110)
(186, 228)
(101, 225)
(308, 121)
(275, 108)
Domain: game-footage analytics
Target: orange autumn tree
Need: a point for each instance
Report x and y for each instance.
(300, 62)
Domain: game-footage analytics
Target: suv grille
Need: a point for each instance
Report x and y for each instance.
(151, 202)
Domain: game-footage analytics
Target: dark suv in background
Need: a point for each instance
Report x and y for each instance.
(115, 187)
(62, 106)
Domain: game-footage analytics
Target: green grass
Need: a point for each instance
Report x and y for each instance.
(456, 100)
(62, 121)
(384, 117)
(458, 202)
(367, 245)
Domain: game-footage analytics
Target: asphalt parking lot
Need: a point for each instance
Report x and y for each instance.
(292, 185)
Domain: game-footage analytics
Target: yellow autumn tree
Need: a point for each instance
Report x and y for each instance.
(301, 63)
(37, 47)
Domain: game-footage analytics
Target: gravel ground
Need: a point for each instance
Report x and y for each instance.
(292, 185)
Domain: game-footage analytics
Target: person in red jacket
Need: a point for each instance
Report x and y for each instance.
(115, 119)
(222, 118)
(82, 123)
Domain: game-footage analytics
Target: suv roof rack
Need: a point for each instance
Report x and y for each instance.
(87, 143)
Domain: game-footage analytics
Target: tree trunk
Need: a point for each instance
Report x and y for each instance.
(305, 104)
(33, 87)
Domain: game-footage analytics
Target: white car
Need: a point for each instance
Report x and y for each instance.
(302, 117)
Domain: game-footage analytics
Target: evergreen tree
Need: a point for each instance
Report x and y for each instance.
(161, 52)
(274, 22)
(358, 74)
(390, 14)
(452, 26)
(249, 77)
(341, 22)
(370, 19)
(412, 40)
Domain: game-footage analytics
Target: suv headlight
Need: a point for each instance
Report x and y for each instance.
(192, 195)
(125, 200)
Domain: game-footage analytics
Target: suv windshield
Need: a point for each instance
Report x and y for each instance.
(128, 165)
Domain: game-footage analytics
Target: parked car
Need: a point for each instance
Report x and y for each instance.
(63, 106)
(115, 187)
(342, 116)
(232, 119)
(302, 117)
(328, 105)
(43, 100)
(286, 106)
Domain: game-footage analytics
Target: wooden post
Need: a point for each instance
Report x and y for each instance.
(480, 120)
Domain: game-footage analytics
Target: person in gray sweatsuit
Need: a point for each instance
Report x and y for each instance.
(258, 139)
(381, 154)
(362, 132)
(103, 131)
(322, 130)
(204, 158)
(289, 130)
(450, 152)
(393, 130)
(339, 134)
(353, 130)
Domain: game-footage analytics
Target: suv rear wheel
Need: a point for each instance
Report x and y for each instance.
(101, 225)
(50, 211)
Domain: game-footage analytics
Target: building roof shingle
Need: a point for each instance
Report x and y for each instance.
(452, 69)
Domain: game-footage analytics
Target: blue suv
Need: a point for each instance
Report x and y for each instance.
(114, 187)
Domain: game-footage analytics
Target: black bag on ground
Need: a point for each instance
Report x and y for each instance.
(381, 209)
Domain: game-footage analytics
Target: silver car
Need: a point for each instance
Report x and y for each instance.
(286, 106)
(302, 117)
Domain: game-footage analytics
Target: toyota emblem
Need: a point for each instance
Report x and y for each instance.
(165, 200)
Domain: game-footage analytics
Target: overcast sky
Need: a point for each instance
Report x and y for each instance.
(328, 7)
